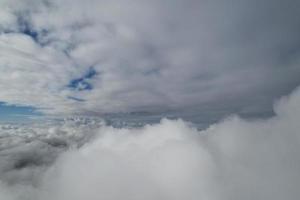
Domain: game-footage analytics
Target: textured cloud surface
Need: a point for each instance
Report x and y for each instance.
(75, 57)
(234, 159)
(199, 59)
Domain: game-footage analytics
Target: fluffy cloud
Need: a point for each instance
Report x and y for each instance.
(234, 159)
(147, 55)
(91, 57)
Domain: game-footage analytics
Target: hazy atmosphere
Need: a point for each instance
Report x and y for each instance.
(149, 100)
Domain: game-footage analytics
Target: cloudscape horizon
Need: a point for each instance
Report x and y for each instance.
(140, 99)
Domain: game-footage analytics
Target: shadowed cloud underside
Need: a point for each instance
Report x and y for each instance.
(111, 56)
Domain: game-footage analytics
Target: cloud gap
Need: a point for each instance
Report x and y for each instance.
(83, 83)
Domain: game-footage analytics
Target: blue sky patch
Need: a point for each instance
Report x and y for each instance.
(16, 113)
(26, 28)
(83, 83)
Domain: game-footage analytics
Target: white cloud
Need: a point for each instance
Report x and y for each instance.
(234, 159)
(75, 57)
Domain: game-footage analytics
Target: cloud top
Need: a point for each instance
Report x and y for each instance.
(234, 159)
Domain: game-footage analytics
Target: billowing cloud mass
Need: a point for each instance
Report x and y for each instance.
(90, 57)
(234, 159)
(86, 64)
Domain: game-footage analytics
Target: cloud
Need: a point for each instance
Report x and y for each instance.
(233, 159)
(148, 55)
(27, 149)
(199, 57)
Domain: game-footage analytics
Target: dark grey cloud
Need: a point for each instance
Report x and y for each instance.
(148, 55)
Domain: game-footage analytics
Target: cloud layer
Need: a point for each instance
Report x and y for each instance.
(147, 55)
(91, 57)
(234, 159)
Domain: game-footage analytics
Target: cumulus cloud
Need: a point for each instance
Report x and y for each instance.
(147, 55)
(25, 150)
(233, 159)
(84, 58)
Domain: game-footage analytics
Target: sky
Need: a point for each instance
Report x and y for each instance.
(147, 56)
(11, 113)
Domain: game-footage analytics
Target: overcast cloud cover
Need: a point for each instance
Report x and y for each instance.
(75, 60)
(95, 56)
